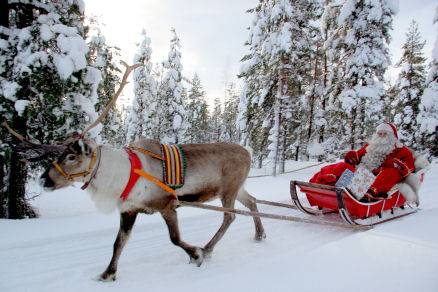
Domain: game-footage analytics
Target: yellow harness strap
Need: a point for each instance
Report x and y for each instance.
(147, 152)
(156, 181)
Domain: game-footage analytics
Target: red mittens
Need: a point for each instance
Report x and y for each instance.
(351, 158)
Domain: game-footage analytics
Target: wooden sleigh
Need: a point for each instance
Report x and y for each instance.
(330, 199)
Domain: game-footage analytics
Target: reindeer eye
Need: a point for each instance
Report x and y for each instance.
(71, 157)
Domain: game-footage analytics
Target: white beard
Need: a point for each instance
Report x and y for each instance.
(377, 151)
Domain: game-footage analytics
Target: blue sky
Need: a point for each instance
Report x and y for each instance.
(213, 32)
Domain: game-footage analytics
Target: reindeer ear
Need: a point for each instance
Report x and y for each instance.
(87, 149)
(80, 147)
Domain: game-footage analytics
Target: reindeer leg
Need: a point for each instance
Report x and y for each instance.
(126, 222)
(228, 219)
(250, 202)
(195, 253)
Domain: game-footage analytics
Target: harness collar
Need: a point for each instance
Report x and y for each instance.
(93, 174)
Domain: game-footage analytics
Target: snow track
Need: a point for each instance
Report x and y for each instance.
(65, 253)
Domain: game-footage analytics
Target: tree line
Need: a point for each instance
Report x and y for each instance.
(57, 73)
(314, 80)
(313, 85)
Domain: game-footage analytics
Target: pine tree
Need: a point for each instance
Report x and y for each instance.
(360, 43)
(428, 116)
(197, 113)
(333, 126)
(173, 117)
(257, 86)
(104, 57)
(229, 116)
(143, 120)
(277, 73)
(47, 88)
(216, 126)
(409, 87)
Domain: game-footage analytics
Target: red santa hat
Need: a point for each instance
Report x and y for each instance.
(388, 127)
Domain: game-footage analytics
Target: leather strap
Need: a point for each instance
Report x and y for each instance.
(133, 176)
(147, 152)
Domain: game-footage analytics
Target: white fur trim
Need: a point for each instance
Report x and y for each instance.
(408, 193)
(421, 162)
(384, 127)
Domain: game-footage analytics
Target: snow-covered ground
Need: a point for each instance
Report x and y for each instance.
(72, 243)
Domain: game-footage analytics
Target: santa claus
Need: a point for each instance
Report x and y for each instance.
(384, 156)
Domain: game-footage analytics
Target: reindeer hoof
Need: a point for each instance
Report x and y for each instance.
(106, 277)
(260, 236)
(198, 257)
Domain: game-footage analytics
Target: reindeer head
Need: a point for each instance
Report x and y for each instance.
(76, 156)
(75, 163)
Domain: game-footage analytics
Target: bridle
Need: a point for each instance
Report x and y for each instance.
(95, 157)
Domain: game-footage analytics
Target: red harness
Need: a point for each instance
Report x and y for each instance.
(133, 176)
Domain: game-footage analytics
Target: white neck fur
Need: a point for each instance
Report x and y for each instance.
(110, 179)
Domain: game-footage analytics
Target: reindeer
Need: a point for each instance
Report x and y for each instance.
(216, 170)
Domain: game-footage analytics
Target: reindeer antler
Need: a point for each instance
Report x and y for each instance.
(15, 134)
(42, 150)
(128, 71)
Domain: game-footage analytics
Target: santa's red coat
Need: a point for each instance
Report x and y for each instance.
(397, 165)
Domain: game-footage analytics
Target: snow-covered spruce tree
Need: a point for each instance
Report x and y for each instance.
(47, 89)
(428, 115)
(360, 41)
(173, 122)
(105, 58)
(277, 70)
(143, 120)
(391, 95)
(409, 87)
(230, 132)
(334, 120)
(256, 86)
(197, 113)
(215, 121)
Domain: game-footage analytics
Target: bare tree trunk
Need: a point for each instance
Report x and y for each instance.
(260, 162)
(297, 153)
(277, 124)
(282, 93)
(18, 207)
(2, 187)
(313, 96)
(283, 158)
(4, 21)
(324, 83)
(353, 128)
